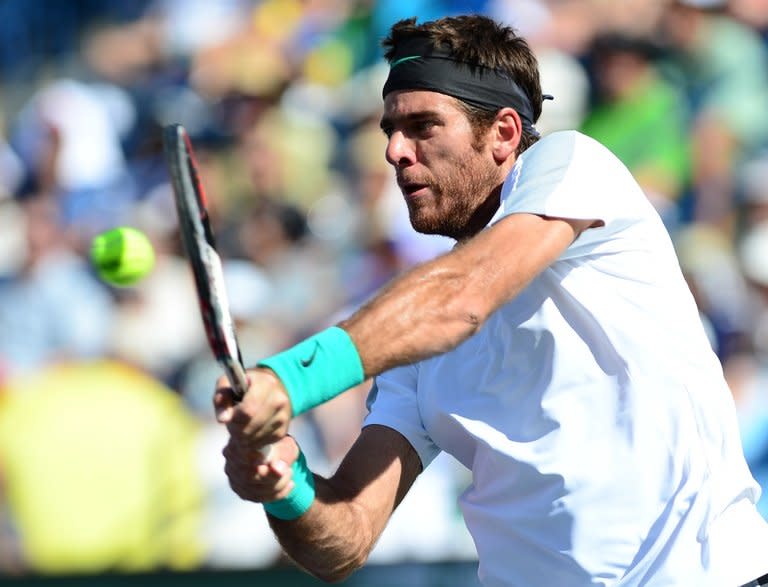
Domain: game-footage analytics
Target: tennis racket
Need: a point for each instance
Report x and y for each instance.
(199, 245)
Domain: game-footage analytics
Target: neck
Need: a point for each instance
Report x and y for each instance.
(483, 214)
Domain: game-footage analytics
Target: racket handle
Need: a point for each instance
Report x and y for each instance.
(239, 381)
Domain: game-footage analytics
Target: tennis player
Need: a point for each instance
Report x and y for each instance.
(556, 351)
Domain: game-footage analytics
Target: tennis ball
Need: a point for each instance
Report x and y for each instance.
(122, 256)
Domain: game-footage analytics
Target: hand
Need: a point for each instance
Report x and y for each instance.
(262, 416)
(255, 480)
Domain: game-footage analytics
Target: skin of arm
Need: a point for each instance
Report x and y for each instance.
(336, 535)
(439, 304)
(427, 311)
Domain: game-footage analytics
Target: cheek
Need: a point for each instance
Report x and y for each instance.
(446, 165)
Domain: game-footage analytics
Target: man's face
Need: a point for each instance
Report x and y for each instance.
(444, 172)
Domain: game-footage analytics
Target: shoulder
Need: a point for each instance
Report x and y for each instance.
(558, 156)
(566, 145)
(568, 174)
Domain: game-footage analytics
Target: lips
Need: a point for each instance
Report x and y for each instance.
(410, 188)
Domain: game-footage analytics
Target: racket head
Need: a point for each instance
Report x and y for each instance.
(199, 245)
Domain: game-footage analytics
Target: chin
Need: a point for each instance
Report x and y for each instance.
(421, 222)
(430, 226)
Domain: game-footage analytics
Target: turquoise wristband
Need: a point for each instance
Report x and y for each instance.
(318, 368)
(301, 496)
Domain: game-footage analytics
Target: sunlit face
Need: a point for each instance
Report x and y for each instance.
(445, 173)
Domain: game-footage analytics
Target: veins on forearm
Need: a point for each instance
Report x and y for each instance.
(428, 311)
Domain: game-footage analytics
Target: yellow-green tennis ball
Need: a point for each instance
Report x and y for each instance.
(122, 256)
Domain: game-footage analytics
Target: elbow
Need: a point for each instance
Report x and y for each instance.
(474, 319)
(466, 303)
(340, 572)
(336, 576)
(344, 557)
(469, 313)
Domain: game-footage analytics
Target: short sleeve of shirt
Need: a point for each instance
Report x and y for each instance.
(570, 175)
(393, 403)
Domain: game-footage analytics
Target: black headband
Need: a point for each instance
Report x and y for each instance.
(418, 65)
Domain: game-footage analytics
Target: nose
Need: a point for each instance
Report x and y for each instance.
(400, 150)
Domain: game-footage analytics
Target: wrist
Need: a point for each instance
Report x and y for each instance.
(300, 499)
(317, 369)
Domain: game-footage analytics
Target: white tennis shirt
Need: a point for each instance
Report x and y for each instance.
(591, 410)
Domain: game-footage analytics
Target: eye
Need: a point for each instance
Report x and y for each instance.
(424, 127)
(387, 129)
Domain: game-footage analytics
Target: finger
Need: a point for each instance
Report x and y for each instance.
(252, 434)
(285, 492)
(284, 453)
(278, 467)
(238, 452)
(243, 428)
(267, 452)
(265, 471)
(248, 492)
(253, 488)
(281, 484)
(224, 404)
(251, 463)
(237, 468)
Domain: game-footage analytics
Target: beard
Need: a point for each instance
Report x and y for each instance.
(458, 205)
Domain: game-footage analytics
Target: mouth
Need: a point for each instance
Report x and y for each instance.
(412, 189)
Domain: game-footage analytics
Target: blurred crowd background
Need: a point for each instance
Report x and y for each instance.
(110, 459)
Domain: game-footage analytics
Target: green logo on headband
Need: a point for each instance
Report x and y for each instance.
(402, 60)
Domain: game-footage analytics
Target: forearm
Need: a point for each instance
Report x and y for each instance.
(336, 534)
(425, 312)
(332, 539)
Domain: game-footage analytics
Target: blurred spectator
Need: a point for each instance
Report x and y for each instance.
(69, 137)
(640, 116)
(753, 188)
(288, 155)
(753, 13)
(753, 257)
(46, 34)
(564, 78)
(51, 306)
(713, 270)
(724, 67)
(99, 472)
(11, 168)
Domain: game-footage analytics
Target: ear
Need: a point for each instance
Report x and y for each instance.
(507, 132)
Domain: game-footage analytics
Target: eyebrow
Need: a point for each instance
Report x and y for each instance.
(387, 121)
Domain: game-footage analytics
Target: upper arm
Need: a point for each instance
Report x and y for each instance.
(439, 304)
(376, 474)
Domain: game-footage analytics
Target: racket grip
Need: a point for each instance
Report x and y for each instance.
(237, 379)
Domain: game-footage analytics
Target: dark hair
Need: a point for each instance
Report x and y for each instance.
(478, 41)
